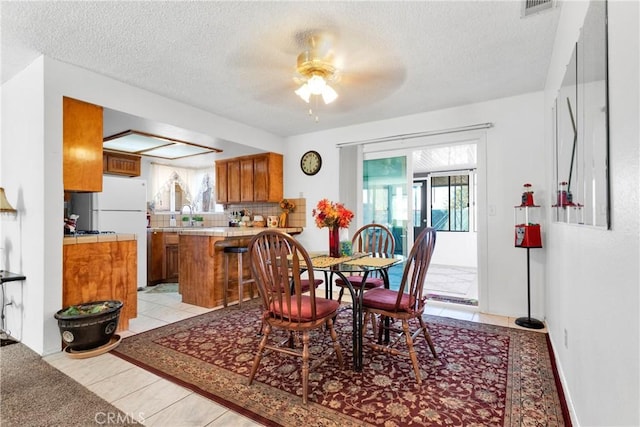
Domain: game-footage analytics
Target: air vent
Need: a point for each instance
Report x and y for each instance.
(531, 7)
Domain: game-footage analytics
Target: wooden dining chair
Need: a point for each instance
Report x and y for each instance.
(405, 304)
(277, 261)
(369, 238)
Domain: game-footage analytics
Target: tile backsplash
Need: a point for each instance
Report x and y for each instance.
(297, 218)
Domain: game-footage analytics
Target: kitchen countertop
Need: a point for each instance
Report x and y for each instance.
(224, 231)
(97, 238)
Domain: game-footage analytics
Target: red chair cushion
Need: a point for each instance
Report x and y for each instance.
(385, 299)
(324, 308)
(356, 282)
(305, 284)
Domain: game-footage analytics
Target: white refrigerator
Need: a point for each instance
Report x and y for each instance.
(121, 207)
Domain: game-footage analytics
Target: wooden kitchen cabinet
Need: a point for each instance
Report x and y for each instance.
(233, 181)
(120, 164)
(81, 146)
(162, 257)
(268, 178)
(155, 260)
(171, 264)
(247, 179)
(101, 271)
(221, 183)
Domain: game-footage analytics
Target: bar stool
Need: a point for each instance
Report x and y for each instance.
(238, 251)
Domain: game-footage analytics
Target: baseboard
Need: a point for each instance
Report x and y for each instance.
(561, 383)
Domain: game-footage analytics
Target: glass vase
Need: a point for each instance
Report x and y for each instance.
(334, 242)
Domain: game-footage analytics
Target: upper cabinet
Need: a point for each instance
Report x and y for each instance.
(121, 164)
(256, 178)
(81, 146)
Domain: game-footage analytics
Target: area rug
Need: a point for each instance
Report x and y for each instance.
(452, 299)
(162, 288)
(484, 375)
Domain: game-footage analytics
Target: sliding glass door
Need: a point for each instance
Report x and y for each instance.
(385, 197)
(429, 185)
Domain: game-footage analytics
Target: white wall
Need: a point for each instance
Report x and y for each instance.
(514, 155)
(457, 249)
(32, 168)
(593, 279)
(23, 175)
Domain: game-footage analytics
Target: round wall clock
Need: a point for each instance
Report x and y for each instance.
(311, 162)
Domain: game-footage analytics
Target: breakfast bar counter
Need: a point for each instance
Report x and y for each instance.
(202, 262)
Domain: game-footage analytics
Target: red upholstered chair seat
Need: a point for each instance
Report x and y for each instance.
(324, 307)
(385, 299)
(356, 282)
(410, 305)
(305, 284)
(376, 238)
(290, 304)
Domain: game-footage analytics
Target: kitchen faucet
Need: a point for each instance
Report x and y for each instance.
(190, 214)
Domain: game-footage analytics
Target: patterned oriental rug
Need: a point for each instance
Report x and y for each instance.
(484, 376)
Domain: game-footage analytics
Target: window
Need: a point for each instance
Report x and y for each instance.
(174, 187)
(450, 202)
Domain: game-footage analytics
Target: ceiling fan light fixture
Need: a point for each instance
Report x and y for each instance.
(329, 94)
(316, 84)
(304, 92)
(317, 71)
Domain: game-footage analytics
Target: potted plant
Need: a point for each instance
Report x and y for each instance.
(88, 325)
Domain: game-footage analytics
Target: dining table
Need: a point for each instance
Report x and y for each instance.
(364, 264)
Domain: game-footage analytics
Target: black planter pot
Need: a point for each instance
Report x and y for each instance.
(88, 331)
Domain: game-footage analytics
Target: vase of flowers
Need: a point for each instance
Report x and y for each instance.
(287, 206)
(334, 216)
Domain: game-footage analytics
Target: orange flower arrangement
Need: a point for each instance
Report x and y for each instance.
(331, 214)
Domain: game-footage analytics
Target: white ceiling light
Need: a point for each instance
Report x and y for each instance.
(315, 73)
(147, 144)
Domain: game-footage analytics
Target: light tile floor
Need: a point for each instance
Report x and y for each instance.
(154, 401)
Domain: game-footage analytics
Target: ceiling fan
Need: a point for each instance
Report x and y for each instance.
(316, 71)
(318, 65)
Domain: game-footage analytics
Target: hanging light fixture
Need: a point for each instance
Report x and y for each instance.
(5, 206)
(316, 72)
(317, 85)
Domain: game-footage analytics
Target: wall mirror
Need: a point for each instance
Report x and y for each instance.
(581, 174)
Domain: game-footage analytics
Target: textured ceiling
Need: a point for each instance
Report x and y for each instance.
(237, 59)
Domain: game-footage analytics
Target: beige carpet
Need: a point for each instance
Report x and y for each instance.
(34, 393)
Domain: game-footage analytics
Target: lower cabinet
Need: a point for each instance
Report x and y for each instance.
(172, 255)
(162, 257)
(99, 272)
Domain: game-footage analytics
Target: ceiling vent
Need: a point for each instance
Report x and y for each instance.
(531, 7)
